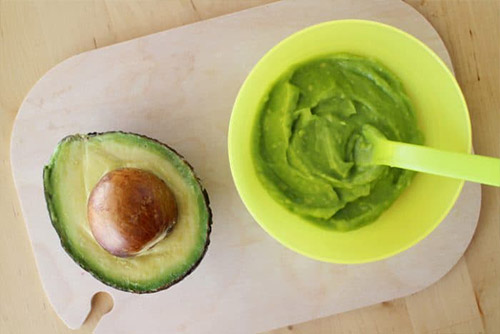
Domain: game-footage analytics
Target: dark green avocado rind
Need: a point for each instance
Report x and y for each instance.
(179, 163)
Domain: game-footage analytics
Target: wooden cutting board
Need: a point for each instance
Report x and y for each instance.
(179, 86)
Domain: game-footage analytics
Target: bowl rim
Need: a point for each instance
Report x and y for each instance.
(232, 154)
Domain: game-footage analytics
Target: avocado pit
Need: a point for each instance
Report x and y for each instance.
(130, 210)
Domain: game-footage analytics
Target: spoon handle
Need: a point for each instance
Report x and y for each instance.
(469, 167)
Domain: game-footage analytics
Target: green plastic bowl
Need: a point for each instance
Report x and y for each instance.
(442, 116)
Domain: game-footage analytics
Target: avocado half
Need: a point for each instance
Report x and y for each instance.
(77, 165)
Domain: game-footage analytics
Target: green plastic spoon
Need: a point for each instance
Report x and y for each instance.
(373, 148)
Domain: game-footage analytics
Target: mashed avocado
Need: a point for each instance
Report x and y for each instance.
(308, 127)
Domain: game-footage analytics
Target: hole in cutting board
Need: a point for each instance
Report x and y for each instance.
(100, 304)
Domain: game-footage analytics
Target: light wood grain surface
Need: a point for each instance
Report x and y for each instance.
(36, 35)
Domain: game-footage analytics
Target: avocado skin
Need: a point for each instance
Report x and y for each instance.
(63, 239)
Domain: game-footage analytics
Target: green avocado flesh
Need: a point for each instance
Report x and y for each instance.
(307, 131)
(76, 166)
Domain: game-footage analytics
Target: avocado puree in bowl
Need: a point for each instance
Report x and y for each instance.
(308, 127)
